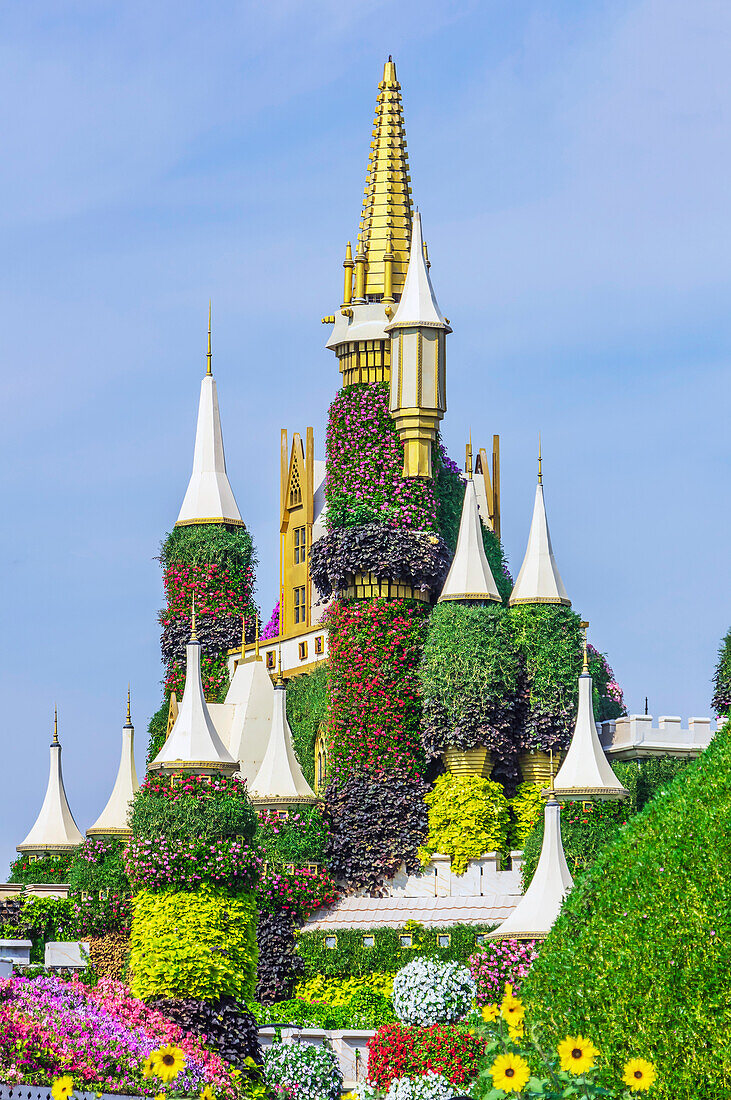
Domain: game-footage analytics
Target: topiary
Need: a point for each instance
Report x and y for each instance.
(226, 1025)
(298, 840)
(721, 701)
(279, 967)
(196, 807)
(640, 956)
(548, 639)
(468, 816)
(49, 868)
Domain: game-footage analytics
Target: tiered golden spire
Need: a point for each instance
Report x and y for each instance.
(385, 223)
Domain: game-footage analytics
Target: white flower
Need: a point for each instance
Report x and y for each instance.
(310, 1072)
(430, 992)
(432, 1086)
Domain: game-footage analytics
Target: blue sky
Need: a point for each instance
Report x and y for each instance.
(571, 163)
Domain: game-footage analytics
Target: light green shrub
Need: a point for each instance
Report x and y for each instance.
(468, 816)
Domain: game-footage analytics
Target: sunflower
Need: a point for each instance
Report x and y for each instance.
(62, 1087)
(148, 1068)
(510, 1073)
(207, 1093)
(489, 1013)
(512, 1010)
(168, 1062)
(639, 1074)
(577, 1054)
(516, 1030)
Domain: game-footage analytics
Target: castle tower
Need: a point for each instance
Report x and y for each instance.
(279, 781)
(470, 576)
(55, 829)
(539, 580)
(374, 279)
(112, 821)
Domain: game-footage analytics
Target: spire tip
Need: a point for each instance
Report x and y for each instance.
(208, 354)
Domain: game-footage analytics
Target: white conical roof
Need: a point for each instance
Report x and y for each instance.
(252, 695)
(539, 580)
(55, 829)
(418, 306)
(537, 910)
(586, 772)
(470, 576)
(112, 821)
(280, 777)
(209, 497)
(194, 744)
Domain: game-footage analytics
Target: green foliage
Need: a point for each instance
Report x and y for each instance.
(549, 641)
(43, 919)
(194, 809)
(526, 809)
(640, 955)
(306, 707)
(51, 868)
(209, 544)
(721, 701)
(468, 816)
(450, 495)
(157, 729)
(351, 959)
(200, 945)
(365, 1009)
(468, 676)
(98, 865)
(299, 840)
(586, 832)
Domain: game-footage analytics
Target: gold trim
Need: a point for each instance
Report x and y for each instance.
(470, 596)
(210, 519)
(191, 765)
(513, 602)
(575, 794)
(48, 848)
(495, 936)
(109, 832)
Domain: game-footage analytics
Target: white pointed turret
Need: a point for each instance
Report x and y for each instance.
(55, 829)
(209, 497)
(535, 913)
(252, 695)
(194, 744)
(470, 576)
(586, 772)
(279, 780)
(539, 580)
(112, 821)
(418, 330)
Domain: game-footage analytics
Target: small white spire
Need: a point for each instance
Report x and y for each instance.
(209, 497)
(586, 772)
(470, 576)
(418, 306)
(112, 821)
(55, 829)
(539, 580)
(280, 778)
(194, 744)
(252, 696)
(535, 913)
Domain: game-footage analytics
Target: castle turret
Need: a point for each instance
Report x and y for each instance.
(112, 821)
(539, 580)
(279, 781)
(209, 497)
(55, 829)
(470, 576)
(418, 363)
(194, 744)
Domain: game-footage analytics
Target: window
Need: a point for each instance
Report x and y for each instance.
(295, 489)
(289, 868)
(369, 941)
(300, 545)
(303, 651)
(300, 610)
(406, 941)
(271, 659)
(331, 942)
(320, 643)
(445, 940)
(481, 937)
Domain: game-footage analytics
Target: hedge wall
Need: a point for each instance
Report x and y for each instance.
(721, 701)
(306, 709)
(640, 956)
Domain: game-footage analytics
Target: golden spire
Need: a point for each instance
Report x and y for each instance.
(193, 635)
(585, 627)
(256, 637)
(348, 265)
(387, 194)
(243, 637)
(427, 261)
(468, 458)
(540, 461)
(129, 705)
(208, 355)
(55, 724)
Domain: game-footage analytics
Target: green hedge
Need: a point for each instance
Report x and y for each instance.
(46, 869)
(306, 707)
(350, 959)
(586, 832)
(200, 945)
(640, 958)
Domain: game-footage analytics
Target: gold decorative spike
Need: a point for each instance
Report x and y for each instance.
(243, 637)
(387, 197)
(468, 458)
(208, 356)
(129, 706)
(55, 724)
(172, 714)
(193, 635)
(256, 637)
(551, 767)
(585, 627)
(540, 461)
(427, 261)
(348, 265)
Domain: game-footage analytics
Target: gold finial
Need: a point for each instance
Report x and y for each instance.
(256, 637)
(585, 627)
(243, 637)
(540, 461)
(129, 705)
(468, 458)
(55, 724)
(208, 355)
(552, 787)
(280, 678)
(193, 635)
(425, 250)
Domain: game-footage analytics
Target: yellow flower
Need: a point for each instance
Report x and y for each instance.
(148, 1068)
(577, 1054)
(490, 1013)
(510, 1072)
(168, 1062)
(62, 1087)
(639, 1074)
(516, 1030)
(512, 1010)
(207, 1093)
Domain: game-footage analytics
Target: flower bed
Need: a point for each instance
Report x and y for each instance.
(398, 1050)
(497, 963)
(163, 862)
(298, 892)
(100, 1036)
(303, 1070)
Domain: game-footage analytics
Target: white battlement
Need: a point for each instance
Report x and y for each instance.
(635, 736)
